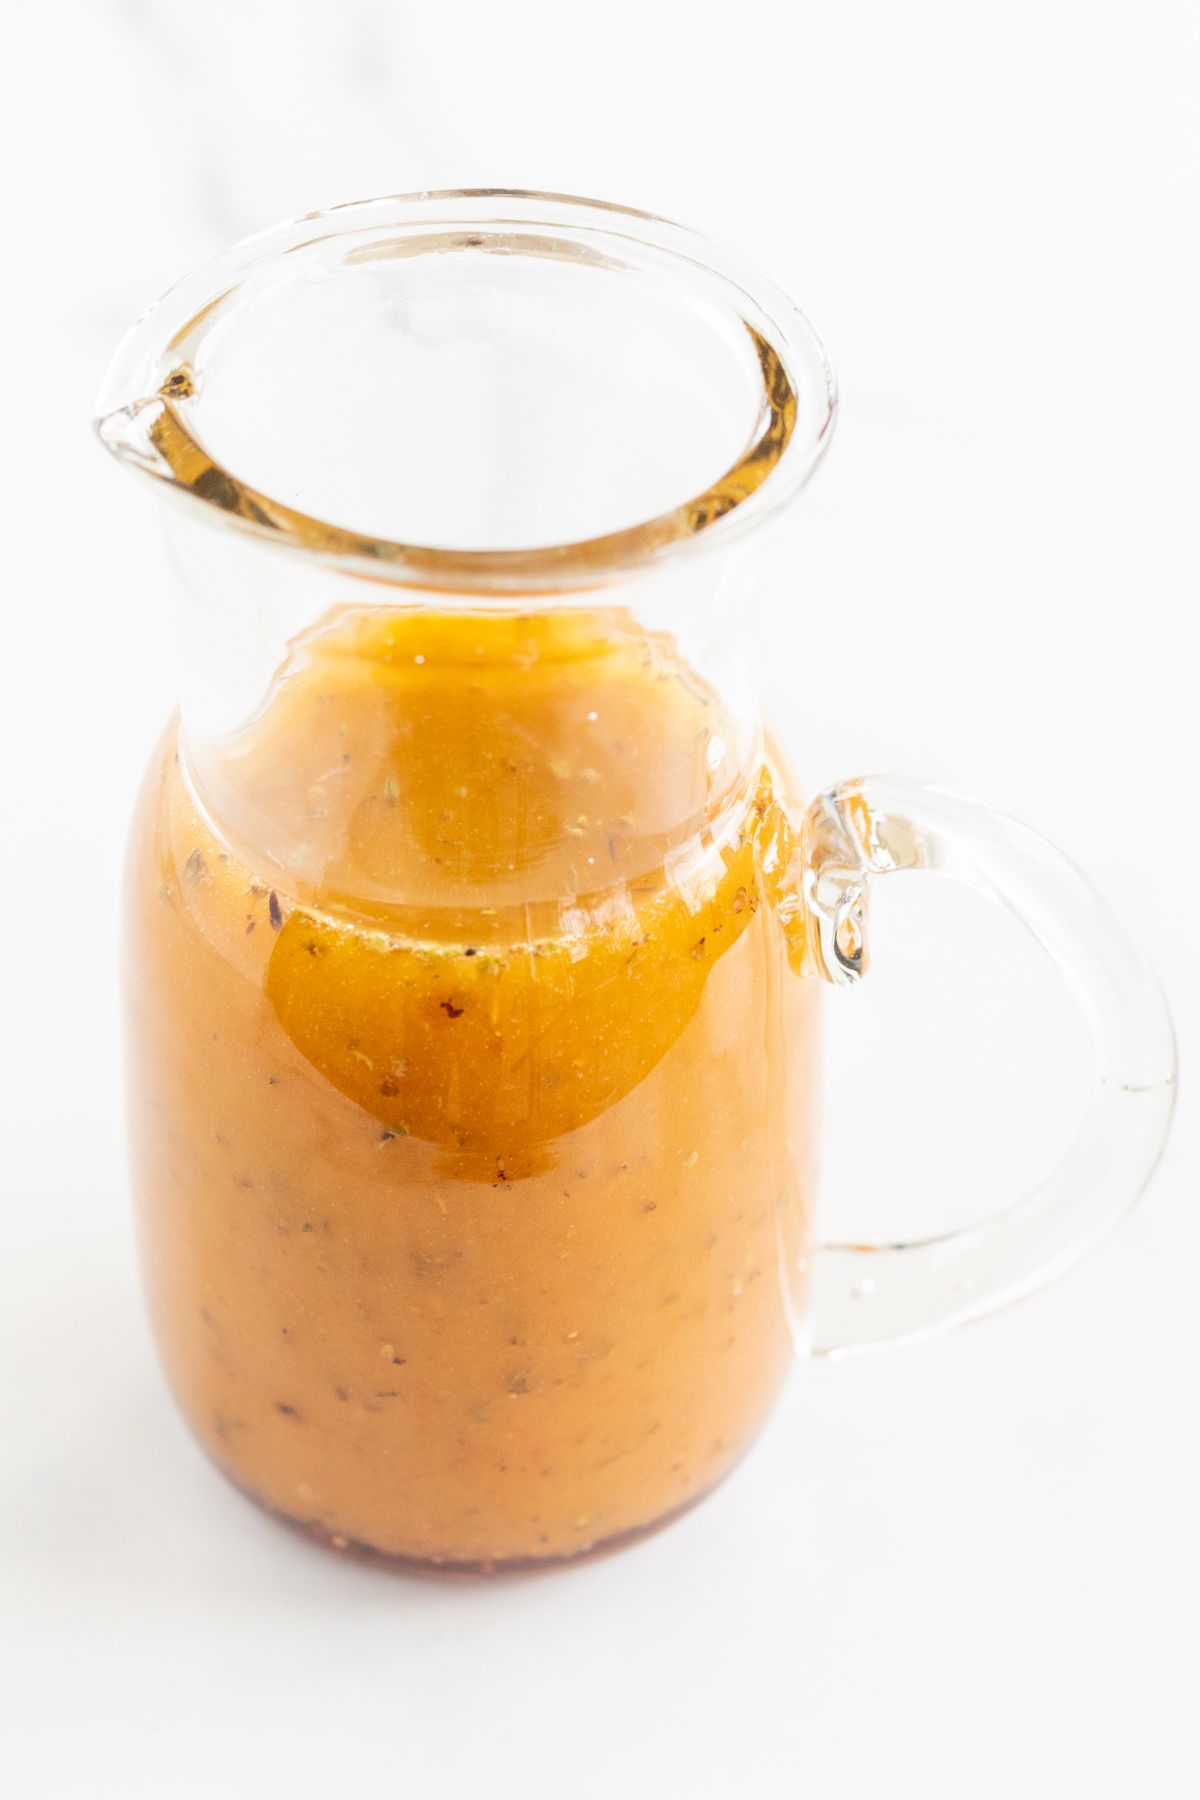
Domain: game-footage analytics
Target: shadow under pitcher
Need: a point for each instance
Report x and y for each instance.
(474, 933)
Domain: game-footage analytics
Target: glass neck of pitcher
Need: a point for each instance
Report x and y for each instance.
(273, 644)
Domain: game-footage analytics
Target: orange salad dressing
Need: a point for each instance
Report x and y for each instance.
(471, 1085)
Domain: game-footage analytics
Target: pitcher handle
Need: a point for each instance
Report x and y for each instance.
(869, 1294)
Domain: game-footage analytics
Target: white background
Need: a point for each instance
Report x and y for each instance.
(967, 1568)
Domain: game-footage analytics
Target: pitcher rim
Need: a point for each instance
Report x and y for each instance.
(140, 416)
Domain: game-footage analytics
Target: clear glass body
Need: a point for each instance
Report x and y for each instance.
(473, 927)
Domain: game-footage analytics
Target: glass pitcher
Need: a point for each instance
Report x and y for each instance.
(475, 935)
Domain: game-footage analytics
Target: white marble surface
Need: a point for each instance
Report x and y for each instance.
(967, 1568)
